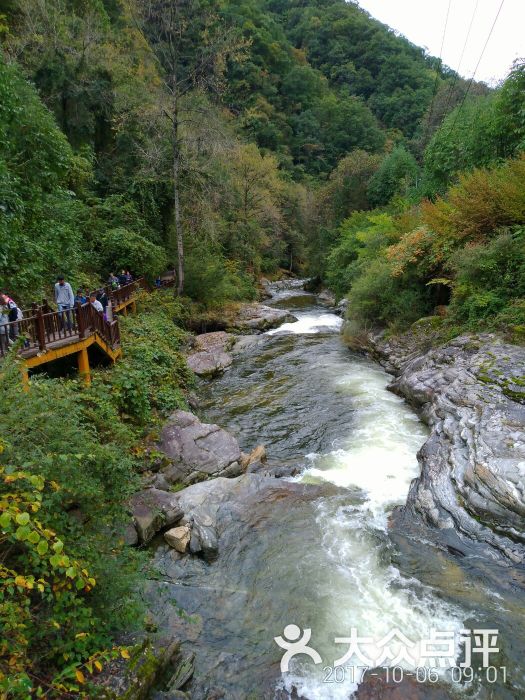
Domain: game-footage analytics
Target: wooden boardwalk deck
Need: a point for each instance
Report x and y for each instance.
(50, 335)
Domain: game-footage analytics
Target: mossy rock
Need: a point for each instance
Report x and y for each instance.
(427, 322)
(135, 678)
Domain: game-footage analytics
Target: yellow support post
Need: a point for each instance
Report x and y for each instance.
(83, 366)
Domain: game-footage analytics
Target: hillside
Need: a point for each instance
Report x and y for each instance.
(306, 84)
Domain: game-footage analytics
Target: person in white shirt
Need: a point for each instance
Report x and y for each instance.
(96, 303)
(65, 299)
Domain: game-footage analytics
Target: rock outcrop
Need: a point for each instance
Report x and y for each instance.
(152, 510)
(211, 353)
(259, 317)
(149, 663)
(471, 491)
(197, 451)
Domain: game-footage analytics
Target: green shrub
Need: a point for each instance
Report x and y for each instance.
(120, 248)
(153, 373)
(377, 296)
(212, 280)
(79, 477)
(489, 277)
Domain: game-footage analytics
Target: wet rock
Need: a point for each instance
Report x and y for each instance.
(211, 356)
(276, 472)
(341, 307)
(152, 510)
(378, 685)
(198, 451)
(258, 454)
(207, 364)
(258, 317)
(135, 678)
(178, 538)
(245, 342)
(471, 392)
(207, 538)
(185, 670)
(326, 297)
(265, 289)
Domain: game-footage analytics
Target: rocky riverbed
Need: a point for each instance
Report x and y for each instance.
(239, 553)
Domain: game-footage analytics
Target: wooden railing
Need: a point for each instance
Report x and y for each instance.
(42, 330)
(42, 326)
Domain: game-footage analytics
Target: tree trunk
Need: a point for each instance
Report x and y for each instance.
(177, 222)
(176, 201)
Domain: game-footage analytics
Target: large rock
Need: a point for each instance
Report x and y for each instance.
(152, 510)
(178, 538)
(258, 317)
(134, 679)
(211, 356)
(471, 392)
(198, 451)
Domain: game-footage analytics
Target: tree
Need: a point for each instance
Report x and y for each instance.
(192, 46)
(396, 173)
(346, 191)
(257, 222)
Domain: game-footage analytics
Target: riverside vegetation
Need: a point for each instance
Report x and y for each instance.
(296, 135)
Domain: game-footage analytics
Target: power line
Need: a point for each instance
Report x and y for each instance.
(477, 65)
(434, 92)
(456, 77)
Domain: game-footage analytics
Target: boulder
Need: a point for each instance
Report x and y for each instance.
(471, 392)
(152, 510)
(211, 356)
(326, 297)
(178, 538)
(259, 317)
(134, 679)
(198, 451)
(208, 364)
(341, 308)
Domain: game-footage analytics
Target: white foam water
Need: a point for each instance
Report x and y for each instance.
(363, 589)
(309, 323)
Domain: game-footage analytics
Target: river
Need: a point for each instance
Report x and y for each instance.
(325, 563)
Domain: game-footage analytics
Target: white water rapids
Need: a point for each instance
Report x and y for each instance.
(376, 461)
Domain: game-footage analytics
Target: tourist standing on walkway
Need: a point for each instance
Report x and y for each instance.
(80, 297)
(95, 302)
(13, 314)
(65, 299)
(4, 328)
(113, 281)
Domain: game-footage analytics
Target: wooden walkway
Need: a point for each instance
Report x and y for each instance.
(50, 335)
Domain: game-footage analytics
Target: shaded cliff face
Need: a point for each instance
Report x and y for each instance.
(471, 491)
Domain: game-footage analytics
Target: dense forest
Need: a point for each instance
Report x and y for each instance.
(229, 141)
